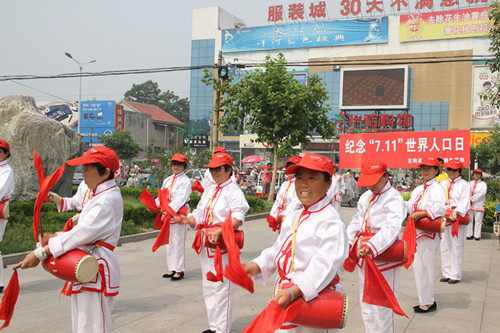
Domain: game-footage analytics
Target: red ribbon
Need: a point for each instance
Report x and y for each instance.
(377, 291)
(410, 237)
(234, 270)
(352, 260)
(149, 200)
(69, 225)
(272, 317)
(38, 167)
(9, 300)
(47, 185)
(218, 277)
(197, 187)
(272, 222)
(454, 229)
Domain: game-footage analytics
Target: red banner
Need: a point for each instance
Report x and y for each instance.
(404, 149)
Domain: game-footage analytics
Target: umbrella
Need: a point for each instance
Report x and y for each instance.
(252, 159)
(155, 160)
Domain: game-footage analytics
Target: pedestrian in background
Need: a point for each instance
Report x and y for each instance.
(266, 178)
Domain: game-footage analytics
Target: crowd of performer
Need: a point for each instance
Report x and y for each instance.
(312, 241)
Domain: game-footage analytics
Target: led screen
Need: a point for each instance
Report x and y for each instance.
(374, 88)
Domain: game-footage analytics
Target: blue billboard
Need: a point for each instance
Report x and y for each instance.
(97, 118)
(305, 35)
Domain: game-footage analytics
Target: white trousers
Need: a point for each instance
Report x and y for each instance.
(176, 248)
(3, 224)
(424, 267)
(452, 253)
(476, 217)
(379, 319)
(91, 312)
(218, 295)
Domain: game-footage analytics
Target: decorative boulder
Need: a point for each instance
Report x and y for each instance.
(27, 129)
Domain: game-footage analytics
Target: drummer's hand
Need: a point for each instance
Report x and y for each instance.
(363, 251)
(45, 239)
(29, 261)
(214, 237)
(453, 215)
(178, 218)
(284, 297)
(184, 219)
(55, 198)
(251, 268)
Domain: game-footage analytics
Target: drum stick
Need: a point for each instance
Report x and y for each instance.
(16, 267)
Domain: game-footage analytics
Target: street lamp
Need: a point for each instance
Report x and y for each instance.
(80, 89)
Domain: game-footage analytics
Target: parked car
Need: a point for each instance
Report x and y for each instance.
(280, 179)
(195, 174)
(78, 175)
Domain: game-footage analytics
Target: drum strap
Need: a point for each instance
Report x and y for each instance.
(104, 244)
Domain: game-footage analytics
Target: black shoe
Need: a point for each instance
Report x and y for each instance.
(431, 308)
(1, 289)
(176, 278)
(169, 275)
(208, 331)
(453, 281)
(470, 237)
(444, 279)
(477, 239)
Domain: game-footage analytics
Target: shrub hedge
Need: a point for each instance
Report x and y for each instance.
(19, 236)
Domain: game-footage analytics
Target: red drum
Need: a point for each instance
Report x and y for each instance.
(4, 210)
(238, 236)
(73, 266)
(327, 311)
(436, 225)
(394, 253)
(461, 220)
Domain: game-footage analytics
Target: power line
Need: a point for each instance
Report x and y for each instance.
(41, 91)
(419, 60)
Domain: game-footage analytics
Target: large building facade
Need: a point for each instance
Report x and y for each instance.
(412, 72)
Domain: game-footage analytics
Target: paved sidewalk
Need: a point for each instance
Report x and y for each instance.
(149, 303)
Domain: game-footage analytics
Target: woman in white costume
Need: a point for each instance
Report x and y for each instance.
(6, 188)
(427, 200)
(312, 246)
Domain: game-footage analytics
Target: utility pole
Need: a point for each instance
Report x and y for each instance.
(215, 111)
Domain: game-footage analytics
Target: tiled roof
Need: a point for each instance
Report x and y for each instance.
(155, 112)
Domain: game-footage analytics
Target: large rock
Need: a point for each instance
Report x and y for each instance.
(26, 128)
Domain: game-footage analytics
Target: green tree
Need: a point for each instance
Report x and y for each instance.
(487, 152)
(122, 143)
(271, 103)
(494, 63)
(150, 93)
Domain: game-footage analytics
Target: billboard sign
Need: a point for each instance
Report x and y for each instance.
(306, 35)
(484, 115)
(64, 112)
(404, 149)
(98, 117)
(460, 23)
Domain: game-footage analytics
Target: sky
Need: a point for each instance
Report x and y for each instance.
(118, 35)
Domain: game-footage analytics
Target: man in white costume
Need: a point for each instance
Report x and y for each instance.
(337, 189)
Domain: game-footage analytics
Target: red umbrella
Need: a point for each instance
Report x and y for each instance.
(252, 159)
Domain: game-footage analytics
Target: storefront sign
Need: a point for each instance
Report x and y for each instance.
(484, 115)
(346, 122)
(306, 35)
(470, 22)
(404, 149)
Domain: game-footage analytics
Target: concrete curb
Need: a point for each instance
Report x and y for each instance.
(14, 258)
